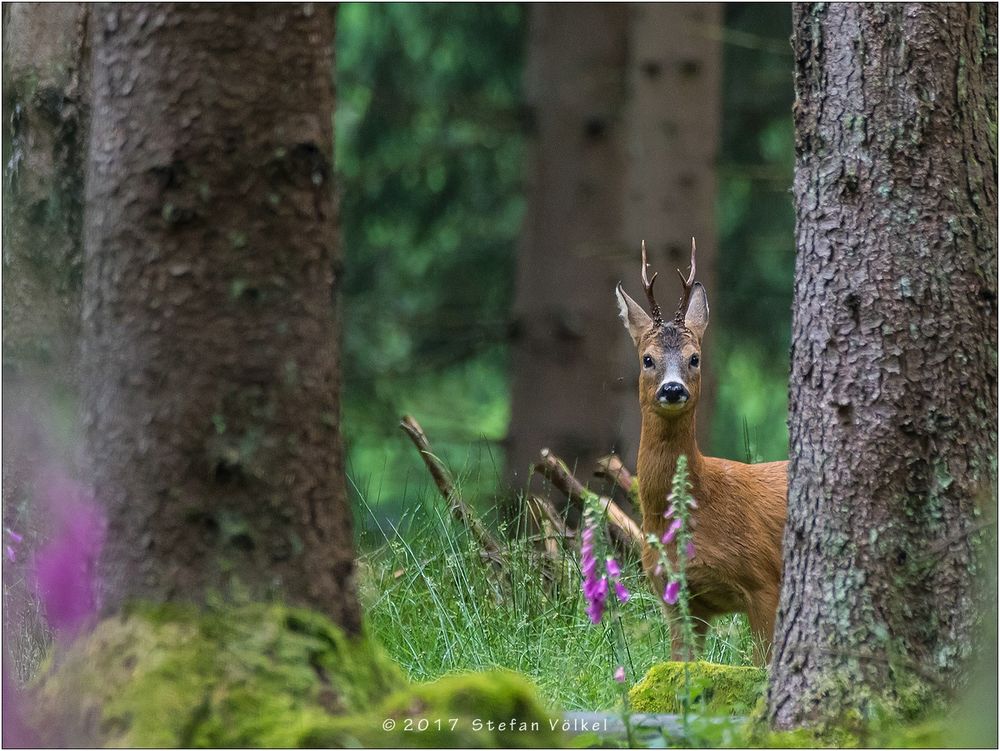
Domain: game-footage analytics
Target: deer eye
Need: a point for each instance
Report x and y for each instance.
(694, 361)
(647, 361)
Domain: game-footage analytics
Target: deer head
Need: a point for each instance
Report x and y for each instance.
(669, 351)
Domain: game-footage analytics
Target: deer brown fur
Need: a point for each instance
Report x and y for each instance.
(739, 520)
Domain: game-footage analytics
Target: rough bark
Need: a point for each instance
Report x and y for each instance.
(624, 102)
(45, 87)
(893, 396)
(210, 289)
(46, 111)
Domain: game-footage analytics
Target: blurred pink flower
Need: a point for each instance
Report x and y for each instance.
(65, 569)
(671, 593)
(671, 533)
(622, 593)
(620, 674)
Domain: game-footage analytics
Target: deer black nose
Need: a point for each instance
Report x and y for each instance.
(672, 393)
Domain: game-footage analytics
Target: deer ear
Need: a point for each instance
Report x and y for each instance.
(636, 320)
(696, 317)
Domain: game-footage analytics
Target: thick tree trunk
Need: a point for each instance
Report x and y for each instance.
(893, 396)
(211, 337)
(625, 110)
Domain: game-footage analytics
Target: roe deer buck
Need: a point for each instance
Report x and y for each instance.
(740, 517)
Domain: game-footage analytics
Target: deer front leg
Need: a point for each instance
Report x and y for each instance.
(678, 644)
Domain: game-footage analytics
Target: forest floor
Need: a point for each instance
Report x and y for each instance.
(437, 608)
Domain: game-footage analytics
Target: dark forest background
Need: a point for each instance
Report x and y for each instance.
(431, 149)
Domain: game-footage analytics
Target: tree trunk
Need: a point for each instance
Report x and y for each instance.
(211, 333)
(893, 397)
(625, 107)
(45, 89)
(45, 84)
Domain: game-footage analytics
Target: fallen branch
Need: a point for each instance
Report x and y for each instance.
(623, 529)
(612, 468)
(542, 510)
(489, 548)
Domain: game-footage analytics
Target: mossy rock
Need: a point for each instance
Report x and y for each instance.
(257, 675)
(723, 689)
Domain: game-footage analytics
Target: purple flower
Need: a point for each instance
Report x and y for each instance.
(658, 570)
(622, 593)
(65, 569)
(689, 549)
(670, 511)
(614, 570)
(671, 593)
(671, 533)
(597, 597)
(14, 535)
(11, 555)
(620, 674)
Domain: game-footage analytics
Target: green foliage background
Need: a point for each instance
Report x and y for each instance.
(430, 150)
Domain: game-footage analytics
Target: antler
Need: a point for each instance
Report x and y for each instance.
(647, 285)
(688, 286)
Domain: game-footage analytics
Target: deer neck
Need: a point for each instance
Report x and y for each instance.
(661, 442)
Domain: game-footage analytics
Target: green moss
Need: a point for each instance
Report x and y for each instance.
(716, 688)
(260, 675)
(478, 710)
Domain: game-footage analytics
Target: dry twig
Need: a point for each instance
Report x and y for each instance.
(489, 548)
(624, 530)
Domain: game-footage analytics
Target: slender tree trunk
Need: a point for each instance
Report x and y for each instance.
(211, 333)
(45, 85)
(893, 396)
(625, 104)
(45, 90)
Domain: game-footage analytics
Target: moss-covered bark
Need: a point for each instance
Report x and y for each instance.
(893, 397)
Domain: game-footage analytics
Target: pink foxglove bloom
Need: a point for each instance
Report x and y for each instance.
(671, 533)
(689, 549)
(621, 593)
(620, 674)
(597, 596)
(671, 593)
(670, 511)
(614, 570)
(11, 555)
(594, 590)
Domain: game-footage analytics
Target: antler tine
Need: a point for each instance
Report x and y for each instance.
(688, 283)
(647, 285)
